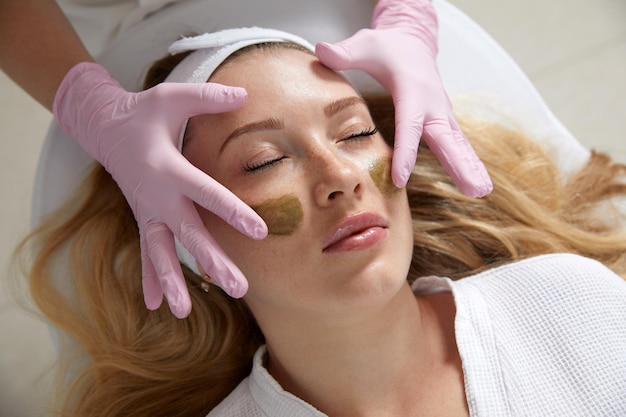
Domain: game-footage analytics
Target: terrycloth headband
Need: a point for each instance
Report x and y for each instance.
(210, 50)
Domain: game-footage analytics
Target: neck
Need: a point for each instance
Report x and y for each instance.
(372, 362)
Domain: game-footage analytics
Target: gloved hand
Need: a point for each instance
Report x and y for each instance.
(134, 136)
(400, 53)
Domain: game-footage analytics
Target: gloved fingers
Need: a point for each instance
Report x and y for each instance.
(162, 254)
(215, 262)
(351, 53)
(187, 100)
(455, 152)
(152, 294)
(409, 125)
(213, 196)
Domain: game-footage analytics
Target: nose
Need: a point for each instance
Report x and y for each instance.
(336, 178)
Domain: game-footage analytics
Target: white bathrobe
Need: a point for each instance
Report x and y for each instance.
(541, 337)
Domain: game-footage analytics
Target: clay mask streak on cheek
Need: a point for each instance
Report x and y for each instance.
(380, 171)
(283, 215)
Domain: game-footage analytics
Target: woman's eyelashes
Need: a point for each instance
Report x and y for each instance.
(363, 134)
(258, 166)
(262, 165)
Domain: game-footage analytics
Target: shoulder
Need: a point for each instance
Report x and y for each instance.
(570, 289)
(560, 318)
(556, 275)
(539, 289)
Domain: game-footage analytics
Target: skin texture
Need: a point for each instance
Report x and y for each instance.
(302, 136)
(312, 159)
(283, 215)
(380, 172)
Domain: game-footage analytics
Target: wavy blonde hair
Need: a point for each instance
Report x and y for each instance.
(142, 362)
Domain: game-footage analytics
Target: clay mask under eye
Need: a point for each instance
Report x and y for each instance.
(380, 171)
(283, 215)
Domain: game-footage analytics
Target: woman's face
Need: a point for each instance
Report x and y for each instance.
(304, 153)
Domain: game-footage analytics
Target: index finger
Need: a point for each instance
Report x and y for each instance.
(455, 152)
(409, 125)
(213, 196)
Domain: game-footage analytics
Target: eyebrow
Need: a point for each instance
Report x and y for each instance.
(276, 124)
(339, 105)
(267, 124)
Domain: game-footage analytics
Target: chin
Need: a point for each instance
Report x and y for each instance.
(377, 283)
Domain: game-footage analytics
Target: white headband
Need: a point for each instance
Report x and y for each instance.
(210, 50)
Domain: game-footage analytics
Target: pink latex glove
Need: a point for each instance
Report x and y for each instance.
(134, 136)
(400, 53)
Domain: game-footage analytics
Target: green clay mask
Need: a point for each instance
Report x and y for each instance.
(283, 215)
(380, 171)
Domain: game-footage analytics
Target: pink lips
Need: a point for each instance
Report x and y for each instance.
(357, 232)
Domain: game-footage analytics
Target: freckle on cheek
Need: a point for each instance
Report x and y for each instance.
(380, 171)
(283, 215)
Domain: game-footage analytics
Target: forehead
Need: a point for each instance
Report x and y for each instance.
(282, 83)
(283, 71)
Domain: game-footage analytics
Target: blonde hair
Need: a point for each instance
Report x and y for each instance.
(144, 362)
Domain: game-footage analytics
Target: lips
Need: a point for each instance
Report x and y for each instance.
(356, 232)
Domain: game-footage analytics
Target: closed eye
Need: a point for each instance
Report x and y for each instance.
(260, 166)
(364, 134)
(269, 163)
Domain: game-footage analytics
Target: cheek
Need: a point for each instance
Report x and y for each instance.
(380, 172)
(267, 264)
(283, 215)
(251, 256)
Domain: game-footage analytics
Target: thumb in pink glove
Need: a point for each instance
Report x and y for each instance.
(134, 136)
(400, 52)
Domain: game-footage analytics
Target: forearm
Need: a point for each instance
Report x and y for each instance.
(38, 46)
